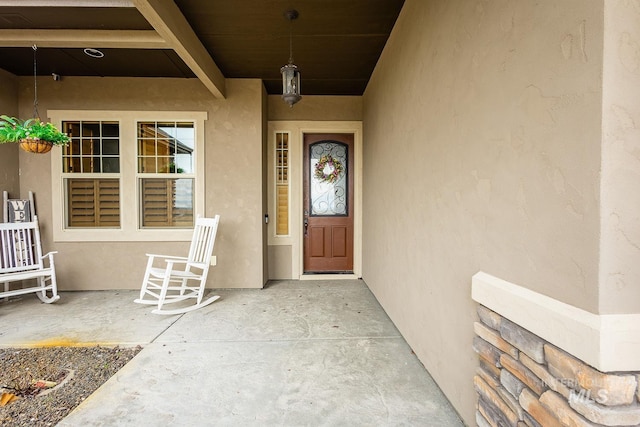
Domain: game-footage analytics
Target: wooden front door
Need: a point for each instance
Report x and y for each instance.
(328, 203)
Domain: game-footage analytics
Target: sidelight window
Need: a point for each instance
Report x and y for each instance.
(282, 183)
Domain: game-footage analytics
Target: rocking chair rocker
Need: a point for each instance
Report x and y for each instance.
(181, 278)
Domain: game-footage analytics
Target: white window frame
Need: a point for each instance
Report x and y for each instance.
(274, 151)
(130, 229)
(275, 239)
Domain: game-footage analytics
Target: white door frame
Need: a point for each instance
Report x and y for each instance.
(296, 130)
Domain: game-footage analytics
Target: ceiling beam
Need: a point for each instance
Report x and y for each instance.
(173, 27)
(66, 3)
(122, 39)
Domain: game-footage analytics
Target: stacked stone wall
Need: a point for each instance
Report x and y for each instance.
(524, 381)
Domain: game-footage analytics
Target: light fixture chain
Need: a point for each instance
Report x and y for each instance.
(35, 83)
(290, 41)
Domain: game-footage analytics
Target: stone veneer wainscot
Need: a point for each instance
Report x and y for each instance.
(523, 380)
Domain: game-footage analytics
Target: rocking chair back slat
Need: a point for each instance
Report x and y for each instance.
(204, 236)
(21, 259)
(21, 247)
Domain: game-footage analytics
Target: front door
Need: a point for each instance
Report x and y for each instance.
(328, 203)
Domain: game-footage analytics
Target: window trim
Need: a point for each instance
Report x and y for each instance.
(130, 229)
(276, 183)
(275, 239)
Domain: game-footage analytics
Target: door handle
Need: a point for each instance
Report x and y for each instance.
(306, 225)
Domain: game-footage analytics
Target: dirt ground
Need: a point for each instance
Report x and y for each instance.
(77, 372)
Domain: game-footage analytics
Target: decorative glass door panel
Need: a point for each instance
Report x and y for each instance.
(329, 178)
(328, 201)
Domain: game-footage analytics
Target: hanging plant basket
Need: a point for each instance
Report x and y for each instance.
(33, 135)
(34, 145)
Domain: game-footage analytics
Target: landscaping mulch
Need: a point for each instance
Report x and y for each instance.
(30, 374)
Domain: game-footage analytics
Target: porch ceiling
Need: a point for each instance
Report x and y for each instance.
(336, 43)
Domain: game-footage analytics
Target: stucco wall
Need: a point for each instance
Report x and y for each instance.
(9, 178)
(338, 108)
(233, 152)
(620, 247)
(482, 127)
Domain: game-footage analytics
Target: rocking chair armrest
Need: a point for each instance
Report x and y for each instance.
(48, 254)
(199, 265)
(167, 256)
(177, 260)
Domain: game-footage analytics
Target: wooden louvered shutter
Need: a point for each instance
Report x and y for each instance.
(159, 205)
(93, 202)
(282, 214)
(157, 202)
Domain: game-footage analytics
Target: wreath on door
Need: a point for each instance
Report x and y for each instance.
(335, 167)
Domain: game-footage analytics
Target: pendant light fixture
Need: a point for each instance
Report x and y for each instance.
(290, 73)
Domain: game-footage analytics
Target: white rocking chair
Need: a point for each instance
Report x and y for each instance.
(181, 278)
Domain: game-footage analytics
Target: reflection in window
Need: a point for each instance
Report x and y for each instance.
(166, 173)
(165, 147)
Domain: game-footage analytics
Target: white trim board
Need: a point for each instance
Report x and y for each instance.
(608, 342)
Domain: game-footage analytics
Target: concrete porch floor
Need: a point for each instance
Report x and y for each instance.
(297, 353)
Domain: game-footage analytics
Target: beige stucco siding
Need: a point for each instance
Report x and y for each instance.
(482, 127)
(315, 107)
(9, 178)
(233, 141)
(620, 246)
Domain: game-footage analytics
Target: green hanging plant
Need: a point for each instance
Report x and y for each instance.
(33, 135)
(13, 129)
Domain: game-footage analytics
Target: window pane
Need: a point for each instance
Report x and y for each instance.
(184, 163)
(146, 147)
(166, 202)
(87, 147)
(185, 134)
(167, 127)
(110, 146)
(88, 165)
(71, 128)
(89, 152)
(173, 143)
(75, 165)
(110, 129)
(164, 164)
(74, 147)
(165, 147)
(91, 129)
(111, 165)
(93, 203)
(147, 165)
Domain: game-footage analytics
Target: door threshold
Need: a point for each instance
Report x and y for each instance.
(328, 276)
(328, 272)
